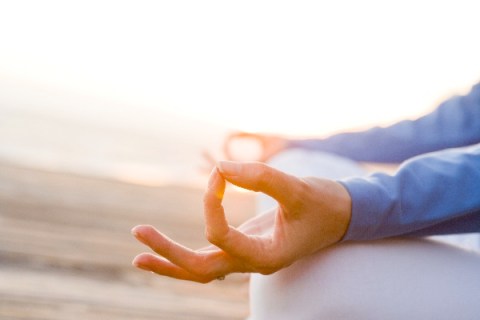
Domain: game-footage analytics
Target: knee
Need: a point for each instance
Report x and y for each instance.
(388, 279)
(321, 286)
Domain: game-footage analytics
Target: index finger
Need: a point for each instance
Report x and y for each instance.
(250, 249)
(200, 263)
(257, 176)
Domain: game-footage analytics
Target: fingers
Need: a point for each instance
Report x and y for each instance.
(197, 263)
(257, 176)
(218, 232)
(215, 221)
(164, 246)
(240, 252)
(150, 262)
(205, 265)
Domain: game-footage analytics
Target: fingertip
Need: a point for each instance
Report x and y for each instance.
(216, 184)
(135, 262)
(143, 228)
(144, 232)
(213, 176)
(135, 231)
(140, 261)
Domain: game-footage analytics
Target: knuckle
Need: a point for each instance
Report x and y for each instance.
(303, 185)
(210, 236)
(215, 236)
(265, 176)
(262, 170)
(299, 196)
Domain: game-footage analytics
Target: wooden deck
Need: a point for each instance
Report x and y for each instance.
(66, 250)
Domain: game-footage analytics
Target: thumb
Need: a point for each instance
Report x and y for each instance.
(257, 176)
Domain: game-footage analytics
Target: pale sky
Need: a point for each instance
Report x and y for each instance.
(293, 67)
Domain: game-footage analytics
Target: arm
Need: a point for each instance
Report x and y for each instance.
(455, 123)
(437, 193)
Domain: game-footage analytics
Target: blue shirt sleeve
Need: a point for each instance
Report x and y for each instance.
(455, 123)
(436, 193)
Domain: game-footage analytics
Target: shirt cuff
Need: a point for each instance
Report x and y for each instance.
(370, 201)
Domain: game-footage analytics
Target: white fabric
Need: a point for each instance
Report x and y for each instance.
(387, 279)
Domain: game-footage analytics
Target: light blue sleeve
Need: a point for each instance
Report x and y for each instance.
(436, 193)
(455, 123)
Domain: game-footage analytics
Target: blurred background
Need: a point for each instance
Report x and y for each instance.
(134, 90)
(106, 106)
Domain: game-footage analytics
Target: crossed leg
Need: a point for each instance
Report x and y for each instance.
(386, 279)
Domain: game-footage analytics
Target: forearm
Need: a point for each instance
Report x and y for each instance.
(455, 123)
(436, 193)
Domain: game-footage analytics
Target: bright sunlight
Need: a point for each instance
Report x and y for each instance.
(296, 67)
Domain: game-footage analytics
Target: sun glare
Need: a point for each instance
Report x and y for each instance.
(297, 68)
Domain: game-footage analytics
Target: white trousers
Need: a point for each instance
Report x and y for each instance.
(386, 279)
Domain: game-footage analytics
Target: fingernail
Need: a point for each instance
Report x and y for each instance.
(229, 168)
(140, 266)
(135, 263)
(134, 231)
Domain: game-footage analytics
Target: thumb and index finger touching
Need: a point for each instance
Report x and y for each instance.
(257, 176)
(253, 176)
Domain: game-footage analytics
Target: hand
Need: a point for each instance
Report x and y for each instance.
(271, 145)
(312, 214)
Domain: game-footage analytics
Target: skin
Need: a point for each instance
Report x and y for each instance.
(271, 145)
(312, 214)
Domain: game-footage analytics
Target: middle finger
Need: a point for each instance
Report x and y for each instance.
(202, 262)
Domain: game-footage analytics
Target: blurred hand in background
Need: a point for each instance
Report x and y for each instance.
(247, 147)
